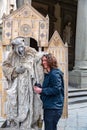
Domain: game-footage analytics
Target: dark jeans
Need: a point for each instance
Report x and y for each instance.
(51, 118)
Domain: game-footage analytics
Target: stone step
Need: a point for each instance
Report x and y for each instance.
(71, 90)
(77, 100)
(77, 106)
(77, 96)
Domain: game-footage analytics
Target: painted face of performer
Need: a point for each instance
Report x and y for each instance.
(19, 46)
(20, 50)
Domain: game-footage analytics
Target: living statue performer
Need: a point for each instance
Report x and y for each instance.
(22, 70)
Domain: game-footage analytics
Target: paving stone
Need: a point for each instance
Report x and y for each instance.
(77, 119)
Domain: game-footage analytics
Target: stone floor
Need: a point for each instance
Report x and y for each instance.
(77, 118)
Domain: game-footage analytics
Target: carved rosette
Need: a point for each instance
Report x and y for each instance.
(8, 24)
(26, 13)
(25, 29)
(7, 30)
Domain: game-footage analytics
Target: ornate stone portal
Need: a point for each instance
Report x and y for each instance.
(27, 22)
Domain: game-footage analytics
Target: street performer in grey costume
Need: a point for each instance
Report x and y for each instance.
(22, 70)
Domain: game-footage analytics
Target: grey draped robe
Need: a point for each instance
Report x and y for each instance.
(24, 105)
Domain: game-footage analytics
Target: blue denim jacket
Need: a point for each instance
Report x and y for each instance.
(52, 94)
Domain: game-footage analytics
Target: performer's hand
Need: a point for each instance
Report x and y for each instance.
(37, 90)
(38, 85)
(20, 69)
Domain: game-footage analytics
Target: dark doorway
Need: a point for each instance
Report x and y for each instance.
(33, 43)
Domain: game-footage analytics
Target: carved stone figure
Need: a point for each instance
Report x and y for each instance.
(22, 70)
(67, 33)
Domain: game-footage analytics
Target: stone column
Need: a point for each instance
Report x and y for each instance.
(19, 3)
(78, 77)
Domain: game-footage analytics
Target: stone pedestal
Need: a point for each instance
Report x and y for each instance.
(78, 77)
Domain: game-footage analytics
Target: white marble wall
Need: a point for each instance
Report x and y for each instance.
(5, 7)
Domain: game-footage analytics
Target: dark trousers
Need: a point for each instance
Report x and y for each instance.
(51, 118)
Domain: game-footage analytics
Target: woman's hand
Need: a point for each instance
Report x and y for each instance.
(37, 90)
